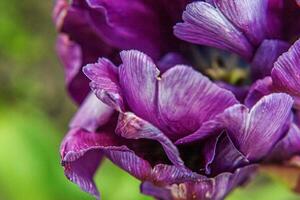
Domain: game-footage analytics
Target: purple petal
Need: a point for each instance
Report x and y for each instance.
(206, 25)
(132, 127)
(73, 21)
(180, 88)
(122, 24)
(288, 146)
(138, 77)
(204, 188)
(253, 17)
(91, 114)
(255, 132)
(258, 90)
(104, 78)
(82, 152)
(286, 72)
(265, 56)
(227, 158)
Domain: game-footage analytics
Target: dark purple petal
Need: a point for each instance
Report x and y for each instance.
(286, 72)
(255, 132)
(122, 24)
(258, 90)
(206, 25)
(187, 99)
(265, 56)
(288, 146)
(240, 92)
(253, 17)
(73, 21)
(82, 151)
(104, 78)
(91, 114)
(132, 127)
(204, 188)
(227, 157)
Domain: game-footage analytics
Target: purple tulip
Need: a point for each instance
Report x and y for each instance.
(182, 134)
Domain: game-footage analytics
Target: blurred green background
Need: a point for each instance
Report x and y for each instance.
(34, 113)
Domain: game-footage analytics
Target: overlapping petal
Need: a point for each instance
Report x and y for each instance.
(258, 19)
(92, 114)
(206, 25)
(286, 72)
(265, 57)
(105, 83)
(206, 188)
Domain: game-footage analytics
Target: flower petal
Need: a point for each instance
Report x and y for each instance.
(286, 72)
(104, 78)
(206, 25)
(138, 76)
(288, 146)
(265, 57)
(122, 24)
(256, 132)
(132, 127)
(186, 99)
(205, 188)
(258, 90)
(82, 151)
(91, 114)
(227, 158)
(253, 17)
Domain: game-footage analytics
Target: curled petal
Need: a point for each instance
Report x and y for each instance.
(132, 127)
(286, 72)
(82, 151)
(206, 25)
(91, 114)
(104, 78)
(205, 188)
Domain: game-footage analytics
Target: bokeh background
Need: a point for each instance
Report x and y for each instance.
(34, 114)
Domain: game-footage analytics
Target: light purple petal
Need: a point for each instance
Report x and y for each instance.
(104, 78)
(91, 114)
(132, 127)
(258, 90)
(206, 25)
(186, 99)
(137, 24)
(255, 132)
(286, 72)
(138, 79)
(265, 57)
(253, 17)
